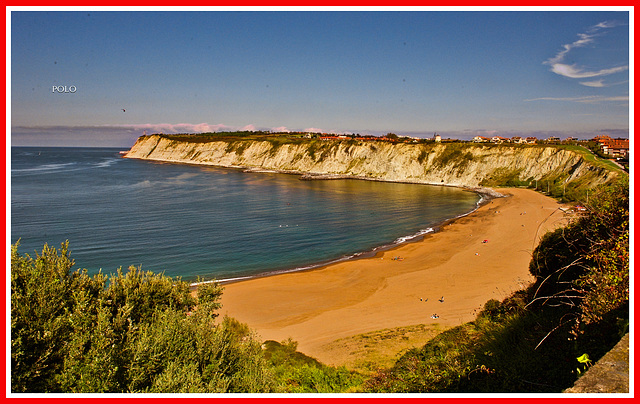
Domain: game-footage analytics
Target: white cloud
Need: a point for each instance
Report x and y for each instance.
(572, 71)
(597, 83)
(250, 128)
(314, 130)
(589, 99)
(181, 127)
(576, 73)
(280, 129)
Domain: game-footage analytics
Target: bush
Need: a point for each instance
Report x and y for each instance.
(586, 264)
(133, 332)
(299, 373)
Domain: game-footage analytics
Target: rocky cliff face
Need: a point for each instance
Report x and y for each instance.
(457, 164)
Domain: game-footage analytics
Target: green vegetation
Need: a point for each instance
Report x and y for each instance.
(140, 332)
(299, 373)
(217, 136)
(504, 177)
(593, 156)
(133, 332)
(458, 153)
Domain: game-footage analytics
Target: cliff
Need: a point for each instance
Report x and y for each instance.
(456, 164)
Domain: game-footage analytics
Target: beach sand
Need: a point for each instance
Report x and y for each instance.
(341, 300)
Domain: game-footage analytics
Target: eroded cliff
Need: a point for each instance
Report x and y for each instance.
(456, 164)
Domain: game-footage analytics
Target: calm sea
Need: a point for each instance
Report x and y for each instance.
(192, 221)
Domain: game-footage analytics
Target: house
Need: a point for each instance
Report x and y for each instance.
(553, 139)
(616, 147)
(613, 147)
(518, 139)
(602, 138)
(481, 139)
(531, 140)
(499, 139)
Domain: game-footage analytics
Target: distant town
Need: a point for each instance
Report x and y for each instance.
(607, 146)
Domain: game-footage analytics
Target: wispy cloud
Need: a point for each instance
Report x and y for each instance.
(578, 73)
(597, 83)
(560, 67)
(589, 99)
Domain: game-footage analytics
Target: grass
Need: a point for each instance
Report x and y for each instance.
(296, 372)
(454, 153)
(367, 353)
(591, 158)
(506, 349)
(504, 177)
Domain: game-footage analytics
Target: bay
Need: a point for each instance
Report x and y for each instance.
(199, 221)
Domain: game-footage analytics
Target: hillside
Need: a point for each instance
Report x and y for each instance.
(553, 169)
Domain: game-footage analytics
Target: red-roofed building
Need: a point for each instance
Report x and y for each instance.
(613, 147)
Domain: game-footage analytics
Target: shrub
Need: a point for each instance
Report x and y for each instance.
(137, 331)
(586, 264)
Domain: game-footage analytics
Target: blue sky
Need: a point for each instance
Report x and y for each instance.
(413, 73)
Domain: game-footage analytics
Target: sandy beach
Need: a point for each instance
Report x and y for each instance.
(451, 273)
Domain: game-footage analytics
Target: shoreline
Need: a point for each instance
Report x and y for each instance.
(310, 176)
(486, 196)
(474, 258)
(414, 238)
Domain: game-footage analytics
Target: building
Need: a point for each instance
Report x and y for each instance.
(481, 139)
(613, 147)
(616, 147)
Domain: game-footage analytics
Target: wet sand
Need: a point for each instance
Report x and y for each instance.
(353, 297)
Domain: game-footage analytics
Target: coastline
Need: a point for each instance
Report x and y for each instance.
(486, 195)
(402, 285)
(310, 176)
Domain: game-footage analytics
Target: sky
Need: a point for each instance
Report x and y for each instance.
(88, 77)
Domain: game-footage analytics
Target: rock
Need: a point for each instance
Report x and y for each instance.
(609, 375)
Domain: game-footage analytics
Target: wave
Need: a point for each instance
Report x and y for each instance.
(404, 239)
(105, 163)
(145, 184)
(45, 168)
(63, 167)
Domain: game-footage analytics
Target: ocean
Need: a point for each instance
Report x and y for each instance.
(213, 223)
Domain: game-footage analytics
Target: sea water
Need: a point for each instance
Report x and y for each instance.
(213, 223)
